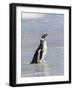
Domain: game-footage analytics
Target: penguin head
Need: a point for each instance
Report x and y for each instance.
(43, 36)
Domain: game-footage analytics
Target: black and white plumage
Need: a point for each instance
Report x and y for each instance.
(40, 53)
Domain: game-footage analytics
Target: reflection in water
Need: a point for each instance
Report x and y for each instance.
(32, 70)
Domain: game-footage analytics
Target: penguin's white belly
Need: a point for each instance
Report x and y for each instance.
(44, 51)
(44, 54)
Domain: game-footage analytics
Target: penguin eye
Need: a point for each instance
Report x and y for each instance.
(42, 36)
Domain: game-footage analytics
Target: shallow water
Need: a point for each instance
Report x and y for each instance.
(33, 70)
(53, 65)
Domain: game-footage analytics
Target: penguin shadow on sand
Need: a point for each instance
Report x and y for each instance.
(38, 62)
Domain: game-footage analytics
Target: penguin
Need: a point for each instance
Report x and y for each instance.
(41, 51)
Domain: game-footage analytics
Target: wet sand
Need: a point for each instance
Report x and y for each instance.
(33, 70)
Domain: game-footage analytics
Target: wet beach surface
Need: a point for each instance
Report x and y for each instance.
(33, 70)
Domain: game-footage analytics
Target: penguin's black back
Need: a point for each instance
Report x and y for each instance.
(35, 57)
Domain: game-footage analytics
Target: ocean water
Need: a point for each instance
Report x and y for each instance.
(31, 29)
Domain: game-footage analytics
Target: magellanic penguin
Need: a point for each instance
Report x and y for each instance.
(40, 53)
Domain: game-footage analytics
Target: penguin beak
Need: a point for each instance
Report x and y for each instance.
(44, 35)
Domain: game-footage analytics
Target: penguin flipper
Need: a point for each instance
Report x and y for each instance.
(40, 53)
